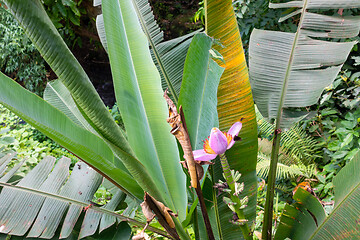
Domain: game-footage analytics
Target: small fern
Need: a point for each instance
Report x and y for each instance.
(297, 152)
(283, 170)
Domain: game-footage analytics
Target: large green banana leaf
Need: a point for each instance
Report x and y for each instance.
(39, 28)
(198, 98)
(47, 199)
(71, 136)
(291, 69)
(199, 90)
(235, 103)
(169, 56)
(140, 100)
(41, 31)
(306, 219)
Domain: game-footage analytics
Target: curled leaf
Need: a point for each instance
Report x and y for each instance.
(151, 207)
(147, 212)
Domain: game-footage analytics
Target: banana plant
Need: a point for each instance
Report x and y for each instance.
(235, 103)
(146, 157)
(290, 70)
(48, 193)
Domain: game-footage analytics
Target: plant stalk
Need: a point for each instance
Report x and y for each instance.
(269, 203)
(230, 181)
(216, 205)
(205, 215)
(179, 130)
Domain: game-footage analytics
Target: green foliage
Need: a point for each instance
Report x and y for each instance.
(357, 61)
(297, 155)
(200, 13)
(306, 218)
(284, 170)
(65, 14)
(256, 14)
(115, 114)
(336, 126)
(102, 196)
(108, 148)
(17, 136)
(19, 57)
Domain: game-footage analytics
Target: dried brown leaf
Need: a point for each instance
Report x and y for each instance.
(162, 213)
(179, 130)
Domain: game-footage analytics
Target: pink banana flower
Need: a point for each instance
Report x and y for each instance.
(217, 143)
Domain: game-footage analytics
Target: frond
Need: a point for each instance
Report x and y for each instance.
(283, 170)
(296, 146)
(299, 145)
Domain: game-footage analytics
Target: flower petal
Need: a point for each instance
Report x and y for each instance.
(235, 129)
(232, 142)
(201, 155)
(218, 141)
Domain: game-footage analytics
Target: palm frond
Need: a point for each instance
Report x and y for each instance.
(47, 194)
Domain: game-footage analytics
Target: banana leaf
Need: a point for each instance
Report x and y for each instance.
(169, 56)
(235, 103)
(199, 90)
(47, 199)
(290, 70)
(198, 98)
(139, 94)
(306, 219)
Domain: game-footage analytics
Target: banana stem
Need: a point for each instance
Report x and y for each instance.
(269, 203)
(230, 181)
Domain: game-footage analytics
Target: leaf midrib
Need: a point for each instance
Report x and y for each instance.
(77, 202)
(289, 67)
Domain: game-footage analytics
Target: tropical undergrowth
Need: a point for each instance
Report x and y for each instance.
(18, 136)
(19, 58)
(336, 126)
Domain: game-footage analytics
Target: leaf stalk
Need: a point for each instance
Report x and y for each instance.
(269, 204)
